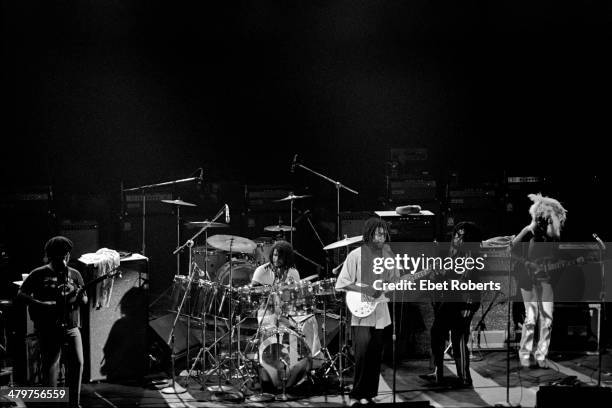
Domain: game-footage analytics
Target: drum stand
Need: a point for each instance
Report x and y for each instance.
(283, 396)
(327, 358)
(222, 394)
(343, 352)
(261, 396)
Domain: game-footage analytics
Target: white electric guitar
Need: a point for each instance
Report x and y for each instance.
(362, 305)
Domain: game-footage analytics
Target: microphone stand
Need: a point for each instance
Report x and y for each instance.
(602, 300)
(143, 189)
(172, 389)
(189, 243)
(339, 186)
(507, 403)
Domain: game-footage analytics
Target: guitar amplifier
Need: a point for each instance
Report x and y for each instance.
(419, 227)
(114, 327)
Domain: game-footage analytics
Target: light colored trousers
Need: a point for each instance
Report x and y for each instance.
(538, 309)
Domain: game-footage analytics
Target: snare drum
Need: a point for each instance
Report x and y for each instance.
(283, 354)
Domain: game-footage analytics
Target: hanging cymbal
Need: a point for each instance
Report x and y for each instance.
(291, 196)
(344, 242)
(278, 228)
(209, 224)
(178, 202)
(232, 242)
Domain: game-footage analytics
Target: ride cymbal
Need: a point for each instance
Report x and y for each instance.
(232, 243)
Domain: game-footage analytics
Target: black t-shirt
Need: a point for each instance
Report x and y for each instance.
(45, 284)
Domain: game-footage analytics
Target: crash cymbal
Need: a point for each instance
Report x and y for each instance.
(235, 243)
(344, 242)
(201, 224)
(291, 196)
(178, 202)
(278, 228)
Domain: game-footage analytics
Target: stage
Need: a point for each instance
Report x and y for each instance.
(489, 377)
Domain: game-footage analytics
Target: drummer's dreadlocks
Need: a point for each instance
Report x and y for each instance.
(370, 227)
(285, 252)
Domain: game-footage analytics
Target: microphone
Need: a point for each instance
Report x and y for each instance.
(227, 214)
(293, 163)
(599, 241)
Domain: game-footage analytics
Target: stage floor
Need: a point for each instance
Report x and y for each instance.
(488, 372)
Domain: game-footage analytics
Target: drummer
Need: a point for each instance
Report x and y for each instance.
(281, 270)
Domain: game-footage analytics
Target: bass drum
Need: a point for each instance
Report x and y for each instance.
(242, 273)
(283, 346)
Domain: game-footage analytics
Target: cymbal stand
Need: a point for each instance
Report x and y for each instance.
(224, 394)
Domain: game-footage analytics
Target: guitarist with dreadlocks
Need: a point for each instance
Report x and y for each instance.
(547, 219)
(357, 275)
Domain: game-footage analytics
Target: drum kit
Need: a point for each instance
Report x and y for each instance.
(218, 291)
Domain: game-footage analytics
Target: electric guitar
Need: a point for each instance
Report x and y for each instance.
(540, 271)
(115, 272)
(362, 305)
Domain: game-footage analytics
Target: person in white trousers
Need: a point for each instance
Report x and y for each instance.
(547, 219)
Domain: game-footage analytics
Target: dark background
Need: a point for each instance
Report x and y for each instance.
(96, 94)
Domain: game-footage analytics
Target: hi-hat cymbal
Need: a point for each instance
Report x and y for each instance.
(278, 228)
(178, 202)
(291, 196)
(344, 242)
(210, 224)
(232, 242)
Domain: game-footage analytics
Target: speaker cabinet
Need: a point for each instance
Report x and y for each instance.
(114, 325)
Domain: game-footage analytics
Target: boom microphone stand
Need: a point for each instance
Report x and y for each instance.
(172, 389)
(336, 183)
(143, 189)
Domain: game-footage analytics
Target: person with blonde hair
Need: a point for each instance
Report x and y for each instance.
(547, 220)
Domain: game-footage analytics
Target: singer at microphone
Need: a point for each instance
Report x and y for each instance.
(227, 214)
